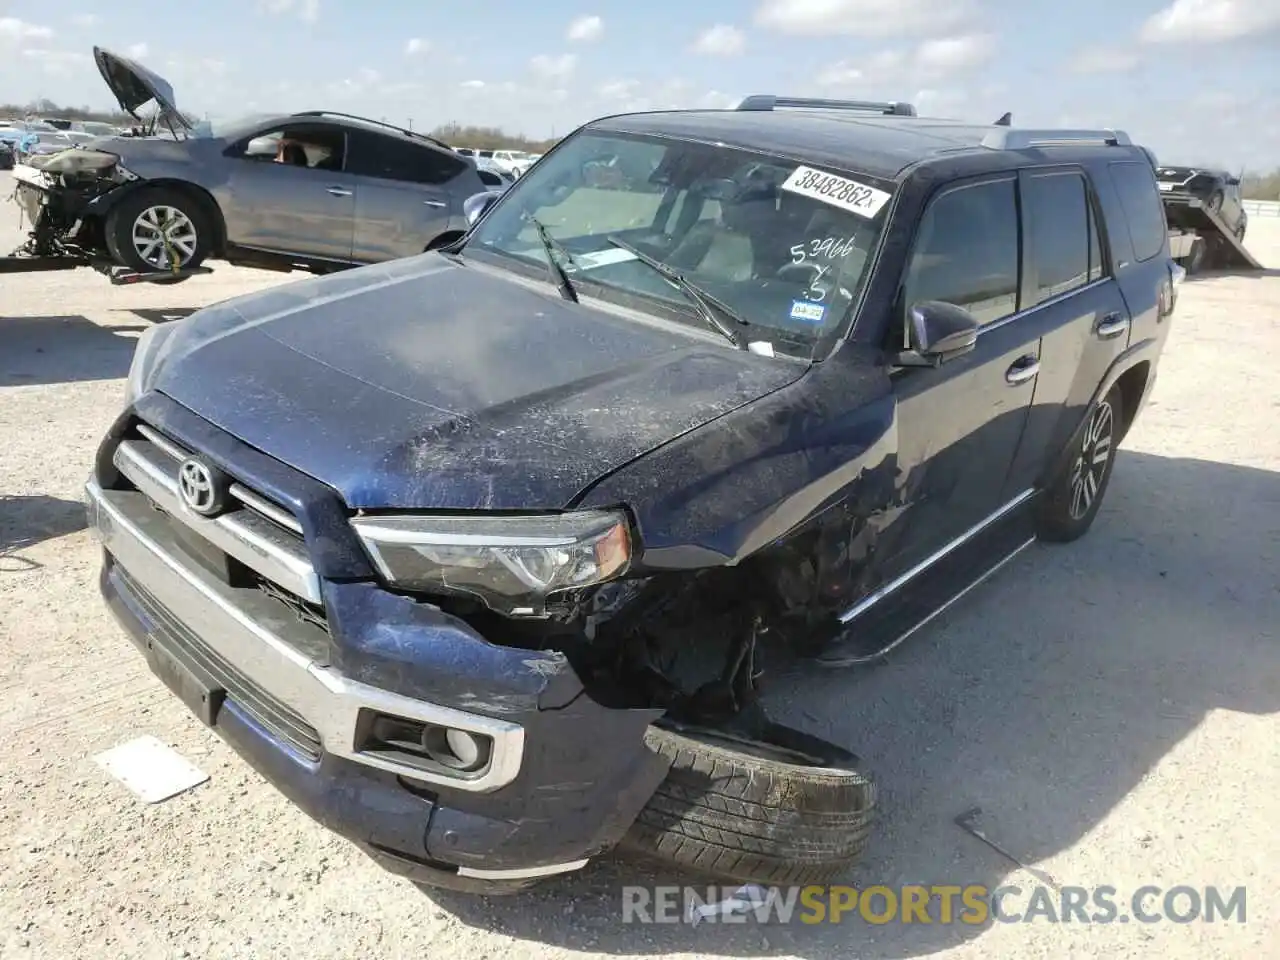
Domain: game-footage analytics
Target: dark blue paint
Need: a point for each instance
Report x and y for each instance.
(574, 796)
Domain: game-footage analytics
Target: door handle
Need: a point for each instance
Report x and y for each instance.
(1112, 325)
(339, 192)
(434, 203)
(1023, 370)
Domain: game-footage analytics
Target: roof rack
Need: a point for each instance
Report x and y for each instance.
(1009, 139)
(376, 123)
(768, 101)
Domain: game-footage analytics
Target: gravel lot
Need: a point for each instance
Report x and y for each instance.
(1110, 705)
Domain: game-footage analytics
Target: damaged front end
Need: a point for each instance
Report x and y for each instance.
(57, 194)
(691, 644)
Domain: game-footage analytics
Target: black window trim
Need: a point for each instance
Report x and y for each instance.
(1128, 223)
(1094, 205)
(954, 186)
(446, 154)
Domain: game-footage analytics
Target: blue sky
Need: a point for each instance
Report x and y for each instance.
(1197, 80)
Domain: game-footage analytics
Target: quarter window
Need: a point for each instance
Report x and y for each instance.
(966, 251)
(1064, 236)
(1140, 197)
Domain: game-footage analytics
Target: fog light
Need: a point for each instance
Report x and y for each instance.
(456, 749)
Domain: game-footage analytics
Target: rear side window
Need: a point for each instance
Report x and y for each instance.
(387, 158)
(1064, 235)
(1140, 197)
(966, 251)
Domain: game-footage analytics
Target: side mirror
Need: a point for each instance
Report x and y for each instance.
(478, 204)
(938, 332)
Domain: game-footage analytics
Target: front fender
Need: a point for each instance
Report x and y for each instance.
(757, 476)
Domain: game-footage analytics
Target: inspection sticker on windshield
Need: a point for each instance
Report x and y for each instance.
(840, 192)
(804, 310)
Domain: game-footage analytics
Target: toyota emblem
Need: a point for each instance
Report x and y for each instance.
(196, 484)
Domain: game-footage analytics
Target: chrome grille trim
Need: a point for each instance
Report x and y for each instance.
(253, 539)
(265, 507)
(242, 493)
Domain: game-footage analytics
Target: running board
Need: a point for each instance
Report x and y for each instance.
(873, 637)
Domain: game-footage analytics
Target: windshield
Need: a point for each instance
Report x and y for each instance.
(784, 246)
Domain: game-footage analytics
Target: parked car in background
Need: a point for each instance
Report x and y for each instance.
(45, 144)
(493, 174)
(314, 190)
(6, 154)
(1217, 190)
(96, 128)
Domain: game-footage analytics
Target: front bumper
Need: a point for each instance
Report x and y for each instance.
(567, 775)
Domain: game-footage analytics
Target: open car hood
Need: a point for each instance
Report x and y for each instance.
(133, 85)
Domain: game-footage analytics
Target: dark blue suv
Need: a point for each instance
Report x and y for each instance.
(481, 555)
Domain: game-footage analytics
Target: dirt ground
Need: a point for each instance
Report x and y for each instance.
(1110, 705)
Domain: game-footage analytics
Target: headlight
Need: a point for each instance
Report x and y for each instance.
(511, 563)
(145, 358)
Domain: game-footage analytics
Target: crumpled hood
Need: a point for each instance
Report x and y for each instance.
(420, 383)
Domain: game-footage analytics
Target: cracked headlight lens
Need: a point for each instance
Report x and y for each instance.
(511, 563)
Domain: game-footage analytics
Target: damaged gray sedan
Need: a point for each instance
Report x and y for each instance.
(316, 191)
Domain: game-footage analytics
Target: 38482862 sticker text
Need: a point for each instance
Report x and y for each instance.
(838, 191)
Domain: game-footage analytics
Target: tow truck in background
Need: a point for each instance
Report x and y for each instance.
(1207, 219)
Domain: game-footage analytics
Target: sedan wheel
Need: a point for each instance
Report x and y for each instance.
(164, 237)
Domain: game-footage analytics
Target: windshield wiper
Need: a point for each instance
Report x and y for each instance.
(712, 308)
(559, 276)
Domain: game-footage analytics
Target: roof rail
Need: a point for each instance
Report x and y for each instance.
(1009, 139)
(376, 123)
(768, 101)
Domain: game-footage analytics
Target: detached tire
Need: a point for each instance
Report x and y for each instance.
(739, 811)
(1072, 502)
(144, 230)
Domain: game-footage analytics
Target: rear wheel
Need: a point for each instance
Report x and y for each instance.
(1072, 502)
(794, 810)
(158, 231)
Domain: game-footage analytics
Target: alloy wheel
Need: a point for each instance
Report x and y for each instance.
(1091, 465)
(164, 237)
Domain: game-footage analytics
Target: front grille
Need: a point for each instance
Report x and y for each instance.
(257, 534)
(274, 716)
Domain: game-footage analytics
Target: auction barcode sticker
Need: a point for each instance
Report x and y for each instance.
(840, 192)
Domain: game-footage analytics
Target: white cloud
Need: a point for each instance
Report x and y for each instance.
(1103, 60)
(892, 71)
(136, 50)
(721, 40)
(415, 46)
(956, 53)
(585, 29)
(1188, 20)
(13, 30)
(84, 20)
(862, 18)
(472, 84)
(553, 68)
(308, 10)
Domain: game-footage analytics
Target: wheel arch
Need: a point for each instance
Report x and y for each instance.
(110, 201)
(1136, 368)
(1133, 385)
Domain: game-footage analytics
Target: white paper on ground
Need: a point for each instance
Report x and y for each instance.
(151, 769)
